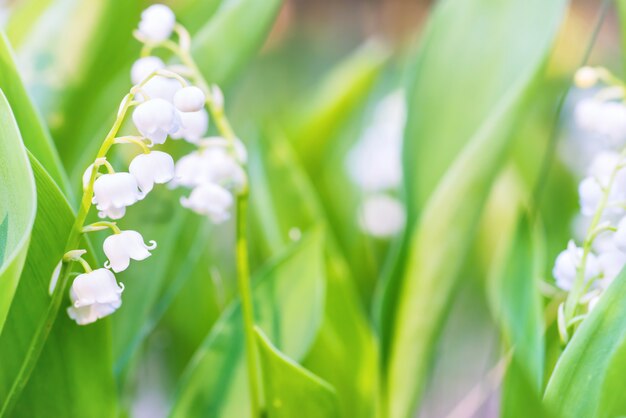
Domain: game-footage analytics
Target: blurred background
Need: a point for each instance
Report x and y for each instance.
(322, 109)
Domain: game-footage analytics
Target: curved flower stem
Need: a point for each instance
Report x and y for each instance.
(243, 271)
(43, 331)
(573, 298)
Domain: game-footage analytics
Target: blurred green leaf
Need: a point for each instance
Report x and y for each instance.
(284, 203)
(24, 15)
(418, 298)
(290, 390)
(73, 377)
(17, 206)
(221, 47)
(328, 107)
(288, 297)
(517, 306)
(34, 132)
(585, 377)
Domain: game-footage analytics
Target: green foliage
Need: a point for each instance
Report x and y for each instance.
(450, 204)
(288, 310)
(17, 207)
(290, 390)
(71, 352)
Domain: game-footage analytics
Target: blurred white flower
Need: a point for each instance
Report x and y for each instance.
(611, 264)
(189, 99)
(567, 263)
(154, 167)
(586, 77)
(113, 192)
(591, 194)
(210, 200)
(381, 216)
(143, 67)
(157, 23)
(121, 248)
(374, 163)
(213, 165)
(606, 118)
(619, 237)
(94, 295)
(193, 126)
(155, 119)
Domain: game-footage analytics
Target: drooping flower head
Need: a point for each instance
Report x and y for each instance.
(94, 295)
(122, 247)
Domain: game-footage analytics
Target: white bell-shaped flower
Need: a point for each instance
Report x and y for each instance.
(159, 88)
(210, 200)
(143, 67)
(112, 213)
(381, 216)
(113, 192)
(157, 23)
(94, 295)
(193, 126)
(567, 263)
(121, 248)
(153, 167)
(189, 99)
(590, 193)
(190, 171)
(611, 264)
(155, 119)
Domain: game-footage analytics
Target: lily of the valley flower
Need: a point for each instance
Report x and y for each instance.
(113, 192)
(193, 126)
(94, 295)
(189, 99)
(157, 23)
(143, 67)
(153, 167)
(121, 248)
(156, 119)
(567, 264)
(210, 200)
(213, 165)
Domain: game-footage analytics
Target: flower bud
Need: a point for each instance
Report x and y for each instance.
(586, 77)
(143, 67)
(121, 248)
(210, 200)
(94, 295)
(154, 167)
(155, 119)
(157, 23)
(189, 99)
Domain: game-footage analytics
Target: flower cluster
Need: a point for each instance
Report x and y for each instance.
(214, 170)
(374, 164)
(585, 271)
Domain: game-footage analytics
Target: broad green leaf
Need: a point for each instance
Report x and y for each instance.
(288, 297)
(517, 306)
(73, 376)
(585, 375)
(221, 47)
(17, 206)
(284, 203)
(290, 390)
(441, 236)
(34, 132)
(339, 94)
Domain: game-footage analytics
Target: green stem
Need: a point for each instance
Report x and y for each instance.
(43, 331)
(247, 307)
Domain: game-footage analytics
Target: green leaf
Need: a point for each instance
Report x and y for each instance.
(34, 132)
(290, 390)
(345, 350)
(441, 236)
(73, 377)
(517, 306)
(584, 381)
(221, 47)
(327, 109)
(17, 206)
(288, 297)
